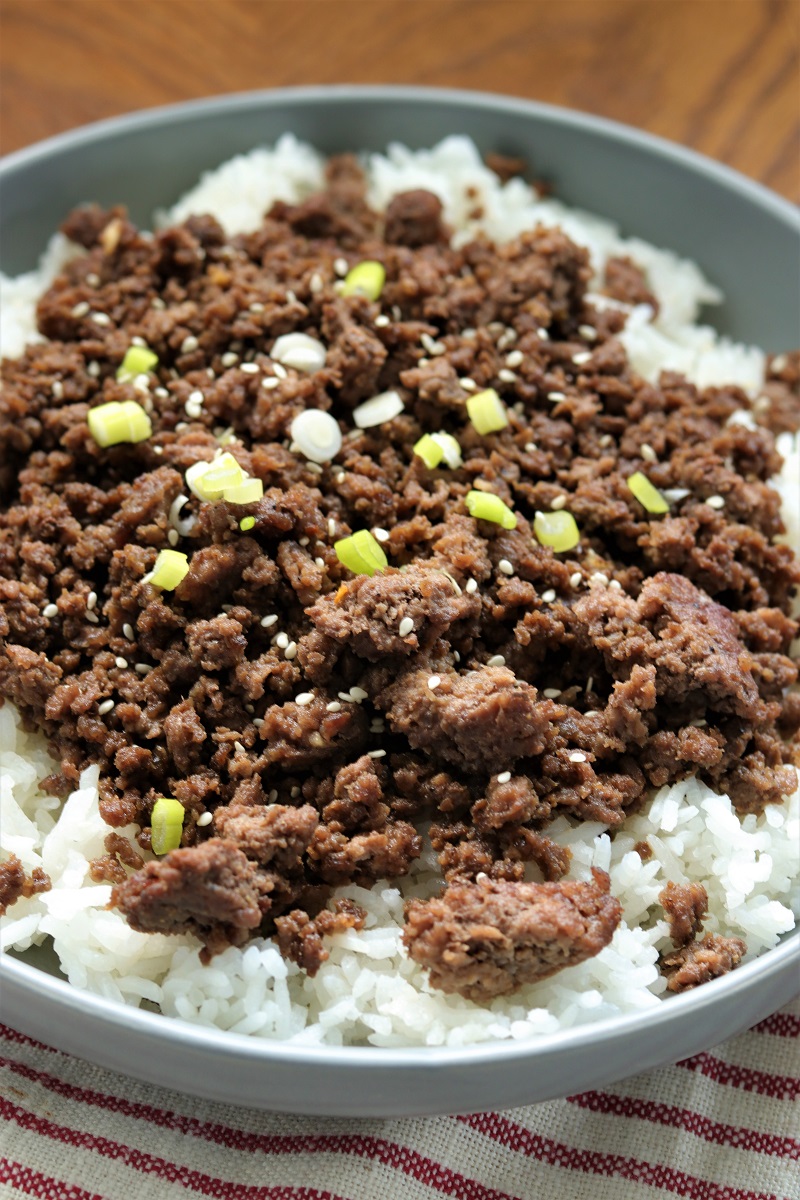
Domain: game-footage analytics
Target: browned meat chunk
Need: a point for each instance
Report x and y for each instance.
(210, 890)
(627, 282)
(700, 961)
(14, 883)
(299, 937)
(414, 219)
(271, 834)
(685, 905)
(487, 938)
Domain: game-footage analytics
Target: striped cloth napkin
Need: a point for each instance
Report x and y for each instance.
(719, 1126)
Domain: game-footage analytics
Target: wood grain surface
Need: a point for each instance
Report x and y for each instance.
(721, 76)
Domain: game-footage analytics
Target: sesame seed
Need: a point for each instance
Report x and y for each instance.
(105, 707)
(556, 396)
(94, 281)
(248, 708)
(598, 577)
(267, 621)
(577, 756)
(127, 631)
(381, 321)
(334, 706)
(304, 698)
(196, 397)
(295, 792)
(340, 267)
(157, 302)
(256, 307)
(280, 371)
(549, 596)
(471, 586)
(606, 440)
(434, 681)
(239, 748)
(406, 626)
(142, 668)
(172, 537)
(204, 819)
(282, 641)
(591, 712)
(291, 651)
(615, 585)
(249, 368)
(229, 359)
(80, 309)
(588, 332)
(376, 754)
(316, 283)
(551, 693)
(647, 452)
(469, 385)
(319, 562)
(589, 684)
(303, 541)
(93, 369)
(505, 566)
(161, 393)
(142, 384)
(121, 662)
(270, 382)
(192, 408)
(504, 777)
(700, 723)
(530, 447)
(314, 468)
(331, 527)
(101, 318)
(397, 312)
(382, 535)
(715, 502)
(558, 502)
(358, 694)
(273, 795)
(497, 660)
(58, 390)
(506, 376)
(543, 334)
(580, 359)
(258, 722)
(575, 579)
(514, 359)
(91, 600)
(456, 656)
(189, 344)
(92, 618)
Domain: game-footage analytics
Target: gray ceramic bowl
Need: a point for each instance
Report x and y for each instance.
(746, 239)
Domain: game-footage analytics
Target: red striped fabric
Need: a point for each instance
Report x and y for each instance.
(718, 1126)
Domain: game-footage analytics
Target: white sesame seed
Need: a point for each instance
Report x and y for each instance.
(282, 641)
(173, 537)
(577, 756)
(127, 631)
(779, 362)
(270, 620)
(331, 527)
(161, 393)
(381, 535)
(291, 298)
(258, 722)
(580, 359)
(248, 708)
(80, 309)
(406, 626)
(256, 307)
(270, 382)
(304, 698)
(105, 707)
(715, 501)
(295, 792)
(504, 777)
(615, 585)
(101, 318)
(319, 562)
(506, 376)
(229, 359)
(497, 660)
(588, 332)
(530, 447)
(239, 748)
(381, 321)
(249, 368)
(358, 694)
(142, 668)
(279, 370)
(196, 397)
(192, 408)
(91, 600)
(543, 334)
(456, 656)
(549, 596)
(558, 502)
(204, 819)
(157, 302)
(58, 390)
(291, 651)
(303, 541)
(647, 452)
(598, 577)
(121, 662)
(433, 347)
(606, 440)
(589, 684)
(189, 344)
(334, 706)
(92, 618)
(94, 281)
(591, 712)
(314, 468)
(469, 385)
(471, 586)
(340, 267)
(514, 359)
(551, 693)
(434, 681)
(316, 283)
(93, 369)
(376, 754)
(556, 396)
(575, 579)
(505, 566)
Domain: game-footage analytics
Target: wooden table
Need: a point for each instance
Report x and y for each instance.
(722, 76)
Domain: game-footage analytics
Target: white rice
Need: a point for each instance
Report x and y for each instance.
(369, 991)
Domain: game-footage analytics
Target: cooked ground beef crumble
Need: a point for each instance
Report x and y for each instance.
(273, 692)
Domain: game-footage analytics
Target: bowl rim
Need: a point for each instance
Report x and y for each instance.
(174, 1032)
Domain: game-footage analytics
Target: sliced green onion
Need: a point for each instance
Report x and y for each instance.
(317, 435)
(138, 360)
(486, 507)
(378, 410)
(487, 411)
(365, 279)
(361, 553)
(246, 492)
(170, 569)
(113, 423)
(558, 530)
(208, 480)
(429, 451)
(450, 448)
(247, 523)
(647, 493)
(166, 825)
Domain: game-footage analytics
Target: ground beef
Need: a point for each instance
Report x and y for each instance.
(685, 905)
(299, 936)
(14, 883)
(308, 719)
(485, 939)
(700, 961)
